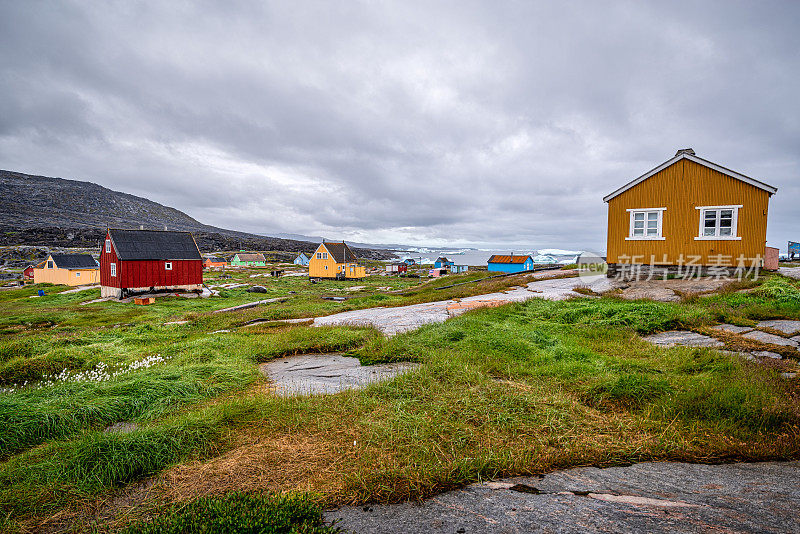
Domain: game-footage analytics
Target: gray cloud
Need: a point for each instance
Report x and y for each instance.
(460, 122)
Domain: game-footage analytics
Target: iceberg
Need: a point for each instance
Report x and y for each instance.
(559, 252)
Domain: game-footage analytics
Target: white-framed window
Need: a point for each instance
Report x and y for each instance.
(324, 255)
(168, 265)
(113, 268)
(646, 223)
(319, 255)
(108, 245)
(326, 267)
(49, 264)
(718, 222)
(77, 275)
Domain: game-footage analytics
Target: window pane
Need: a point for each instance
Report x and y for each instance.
(711, 214)
(710, 223)
(637, 232)
(638, 224)
(727, 214)
(725, 223)
(724, 231)
(652, 224)
(638, 216)
(652, 232)
(708, 231)
(652, 216)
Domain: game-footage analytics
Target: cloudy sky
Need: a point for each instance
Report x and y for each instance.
(461, 123)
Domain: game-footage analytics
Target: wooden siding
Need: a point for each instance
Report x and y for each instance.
(680, 188)
(148, 273)
(328, 268)
(65, 277)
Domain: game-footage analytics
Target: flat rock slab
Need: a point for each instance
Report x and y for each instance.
(770, 338)
(399, 319)
(767, 354)
(781, 325)
(314, 374)
(646, 497)
(733, 329)
(683, 338)
(793, 272)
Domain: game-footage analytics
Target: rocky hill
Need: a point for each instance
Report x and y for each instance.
(44, 211)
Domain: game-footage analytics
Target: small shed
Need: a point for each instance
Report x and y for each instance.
(409, 261)
(510, 263)
(301, 259)
(245, 259)
(397, 268)
(68, 270)
(459, 268)
(144, 261)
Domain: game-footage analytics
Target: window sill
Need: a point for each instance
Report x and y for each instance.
(717, 238)
(645, 238)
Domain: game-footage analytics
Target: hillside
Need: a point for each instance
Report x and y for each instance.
(40, 210)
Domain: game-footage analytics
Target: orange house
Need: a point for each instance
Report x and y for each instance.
(335, 260)
(687, 213)
(210, 263)
(68, 270)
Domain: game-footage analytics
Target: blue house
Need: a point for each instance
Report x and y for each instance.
(302, 259)
(508, 263)
(409, 261)
(459, 269)
(442, 263)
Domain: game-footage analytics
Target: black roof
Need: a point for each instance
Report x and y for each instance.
(74, 261)
(340, 251)
(154, 245)
(215, 259)
(443, 259)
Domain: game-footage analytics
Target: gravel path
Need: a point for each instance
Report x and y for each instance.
(646, 497)
(392, 321)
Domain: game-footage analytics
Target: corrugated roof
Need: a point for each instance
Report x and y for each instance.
(506, 258)
(251, 257)
(340, 251)
(74, 261)
(154, 245)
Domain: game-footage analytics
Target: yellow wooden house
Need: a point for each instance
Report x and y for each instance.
(68, 270)
(335, 260)
(688, 213)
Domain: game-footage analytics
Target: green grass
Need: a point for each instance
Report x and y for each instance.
(239, 513)
(519, 389)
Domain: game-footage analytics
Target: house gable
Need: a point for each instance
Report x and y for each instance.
(681, 155)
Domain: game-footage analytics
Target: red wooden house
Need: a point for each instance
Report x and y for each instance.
(146, 261)
(27, 274)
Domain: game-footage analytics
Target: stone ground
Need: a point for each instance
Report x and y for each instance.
(645, 497)
(312, 374)
(667, 290)
(793, 272)
(392, 321)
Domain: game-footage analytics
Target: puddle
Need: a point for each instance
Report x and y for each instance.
(325, 374)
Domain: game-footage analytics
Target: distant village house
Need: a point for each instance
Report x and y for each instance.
(145, 261)
(243, 259)
(442, 263)
(68, 270)
(687, 213)
(214, 263)
(301, 259)
(335, 260)
(510, 263)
